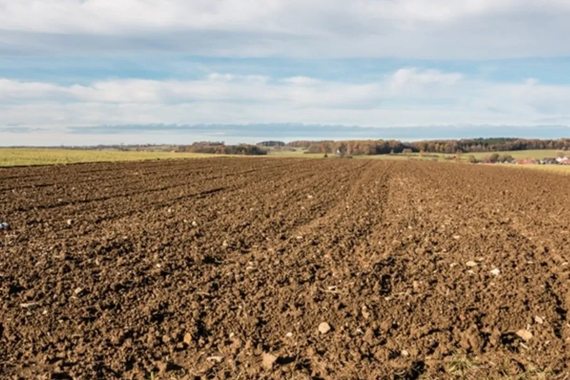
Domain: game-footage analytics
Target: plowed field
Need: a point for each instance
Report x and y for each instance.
(284, 268)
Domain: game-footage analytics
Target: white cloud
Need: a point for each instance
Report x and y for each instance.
(220, 77)
(302, 81)
(402, 28)
(406, 97)
(407, 80)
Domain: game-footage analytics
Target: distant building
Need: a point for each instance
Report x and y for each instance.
(526, 161)
(549, 161)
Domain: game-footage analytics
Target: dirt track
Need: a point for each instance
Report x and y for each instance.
(224, 268)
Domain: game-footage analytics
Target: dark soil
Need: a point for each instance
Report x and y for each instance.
(225, 268)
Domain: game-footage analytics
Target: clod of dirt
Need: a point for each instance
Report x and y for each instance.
(405, 353)
(525, 335)
(416, 286)
(188, 338)
(496, 272)
(368, 336)
(69, 222)
(289, 335)
(471, 264)
(471, 339)
(538, 320)
(78, 291)
(324, 328)
(268, 360)
(161, 366)
(166, 366)
(194, 223)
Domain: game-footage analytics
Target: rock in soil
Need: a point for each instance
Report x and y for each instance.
(268, 360)
(324, 328)
(525, 334)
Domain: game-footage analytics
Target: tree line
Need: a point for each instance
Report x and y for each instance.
(222, 148)
(370, 147)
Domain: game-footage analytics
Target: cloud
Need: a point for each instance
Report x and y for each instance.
(473, 29)
(302, 81)
(406, 97)
(409, 80)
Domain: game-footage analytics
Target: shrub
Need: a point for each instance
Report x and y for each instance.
(493, 158)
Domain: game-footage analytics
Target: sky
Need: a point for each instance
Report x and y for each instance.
(85, 72)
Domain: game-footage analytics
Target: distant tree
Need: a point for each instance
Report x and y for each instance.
(271, 143)
(472, 159)
(220, 148)
(314, 148)
(341, 149)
